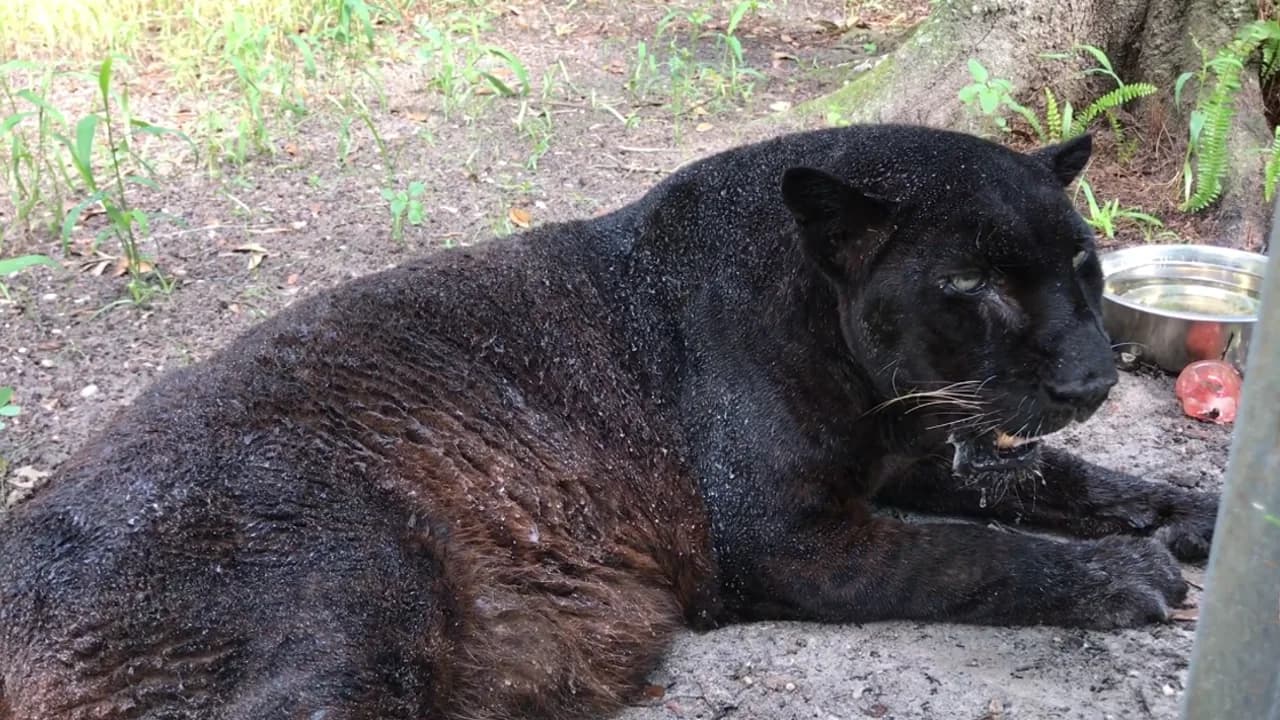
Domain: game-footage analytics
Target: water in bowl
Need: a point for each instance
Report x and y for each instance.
(1189, 288)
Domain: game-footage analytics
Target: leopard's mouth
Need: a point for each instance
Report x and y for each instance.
(994, 451)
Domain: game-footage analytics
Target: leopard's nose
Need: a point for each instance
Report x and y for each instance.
(1085, 392)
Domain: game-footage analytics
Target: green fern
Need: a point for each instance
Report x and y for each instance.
(1217, 109)
(1110, 101)
(1052, 117)
(1270, 59)
(1273, 168)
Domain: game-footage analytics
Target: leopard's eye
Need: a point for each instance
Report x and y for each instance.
(1079, 258)
(967, 282)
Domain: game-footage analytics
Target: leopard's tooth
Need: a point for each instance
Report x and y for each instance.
(1005, 441)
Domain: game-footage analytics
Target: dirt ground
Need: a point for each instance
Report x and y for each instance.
(75, 363)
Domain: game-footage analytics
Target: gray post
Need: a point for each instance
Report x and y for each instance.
(1235, 665)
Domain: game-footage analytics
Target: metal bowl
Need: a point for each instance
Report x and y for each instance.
(1175, 304)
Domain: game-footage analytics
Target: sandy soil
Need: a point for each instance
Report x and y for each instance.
(74, 363)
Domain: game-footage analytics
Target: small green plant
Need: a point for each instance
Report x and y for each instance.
(34, 179)
(9, 266)
(7, 408)
(405, 205)
(538, 128)
(125, 223)
(458, 63)
(993, 98)
(671, 63)
(1104, 217)
(1210, 122)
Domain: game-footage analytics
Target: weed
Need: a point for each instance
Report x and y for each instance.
(1105, 217)
(458, 65)
(672, 64)
(125, 223)
(992, 98)
(10, 266)
(537, 126)
(7, 408)
(405, 205)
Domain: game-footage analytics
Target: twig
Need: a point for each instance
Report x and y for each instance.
(631, 168)
(634, 149)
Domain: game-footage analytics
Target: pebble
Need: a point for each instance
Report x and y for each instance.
(89, 391)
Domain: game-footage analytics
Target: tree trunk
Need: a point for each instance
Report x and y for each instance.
(1147, 40)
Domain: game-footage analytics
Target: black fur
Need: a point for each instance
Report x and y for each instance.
(492, 482)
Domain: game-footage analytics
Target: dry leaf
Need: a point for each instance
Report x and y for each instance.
(418, 117)
(703, 127)
(256, 253)
(780, 106)
(519, 217)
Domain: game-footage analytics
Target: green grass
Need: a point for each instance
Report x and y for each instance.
(178, 29)
(690, 64)
(245, 73)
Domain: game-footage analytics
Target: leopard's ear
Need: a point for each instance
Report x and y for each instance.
(837, 221)
(1066, 159)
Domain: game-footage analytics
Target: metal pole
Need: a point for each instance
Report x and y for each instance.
(1235, 664)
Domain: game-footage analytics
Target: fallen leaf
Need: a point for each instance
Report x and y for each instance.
(256, 253)
(519, 217)
(703, 127)
(780, 106)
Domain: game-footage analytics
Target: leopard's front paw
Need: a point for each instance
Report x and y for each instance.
(1186, 527)
(1125, 582)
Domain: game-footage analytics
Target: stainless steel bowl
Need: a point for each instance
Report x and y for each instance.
(1175, 304)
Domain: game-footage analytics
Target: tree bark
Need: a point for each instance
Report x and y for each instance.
(1147, 40)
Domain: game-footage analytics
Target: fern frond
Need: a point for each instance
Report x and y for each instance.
(1273, 168)
(1052, 118)
(1219, 108)
(1110, 101)
(1270, 60)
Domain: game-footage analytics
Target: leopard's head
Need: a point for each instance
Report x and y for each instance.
(969, 288)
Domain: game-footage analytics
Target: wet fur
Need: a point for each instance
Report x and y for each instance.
(493, 482)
